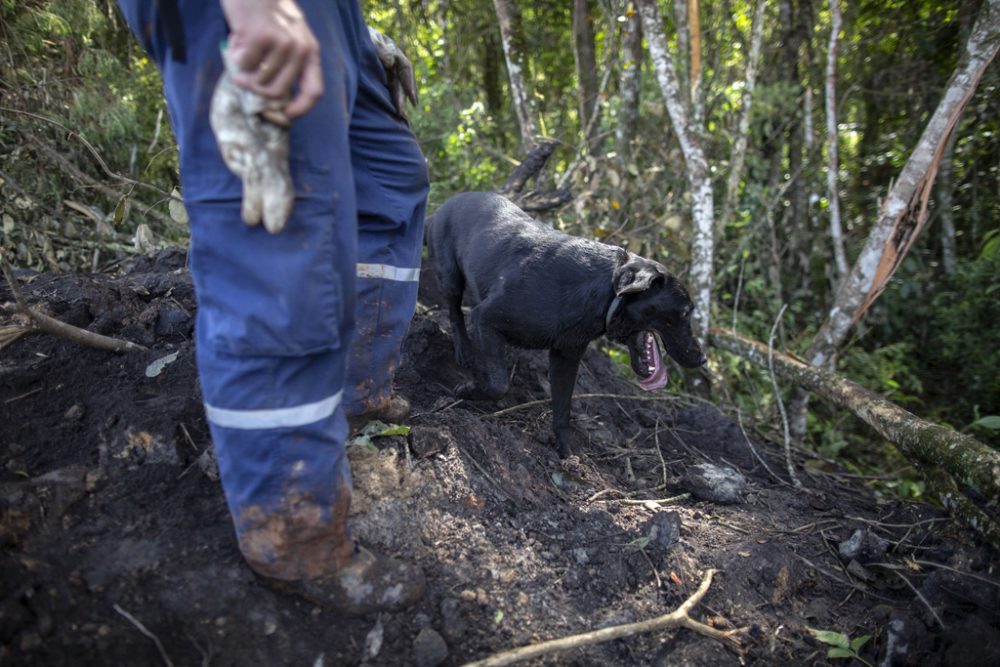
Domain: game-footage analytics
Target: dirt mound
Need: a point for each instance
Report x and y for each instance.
(118, 547)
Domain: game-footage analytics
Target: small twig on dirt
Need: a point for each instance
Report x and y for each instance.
(187, 436)
(489, 478)
(753, 450)
(543, 401)
(840, 579)
(730, 526)
(659, 582)
(985, 580)
(25, 395)
(659, 451)
(873, 522)
(677, 618)
(781, 403)
(52, 326)
(441, 409)
(920, 596)
(142, 628)
(655, 501)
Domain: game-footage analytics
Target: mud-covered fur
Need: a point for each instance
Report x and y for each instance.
(533, 287)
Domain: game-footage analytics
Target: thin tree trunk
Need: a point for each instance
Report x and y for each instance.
(924, 443)
(683, 47)
(904, 210)
(631, 85)
(738, 159)
(585, 55)
(694, 31)
(944, 202)
(492, 52)
(836, 231)
(699, 178)
(515, 53)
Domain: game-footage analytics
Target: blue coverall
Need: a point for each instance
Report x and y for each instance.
(278, 357)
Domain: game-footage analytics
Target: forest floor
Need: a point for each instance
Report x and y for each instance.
(117, 547)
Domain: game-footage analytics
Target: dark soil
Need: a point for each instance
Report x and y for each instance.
(110, 506)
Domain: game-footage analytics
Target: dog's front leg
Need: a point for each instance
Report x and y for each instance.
(563, 365)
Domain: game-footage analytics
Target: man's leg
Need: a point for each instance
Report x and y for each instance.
(391, 180)
(275, 315)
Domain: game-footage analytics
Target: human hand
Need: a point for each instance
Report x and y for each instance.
(272, 48)
(398, 71)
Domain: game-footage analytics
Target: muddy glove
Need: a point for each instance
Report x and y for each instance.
(398, 71)
(252, 133)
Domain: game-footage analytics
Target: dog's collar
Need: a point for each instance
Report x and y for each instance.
(612, 309)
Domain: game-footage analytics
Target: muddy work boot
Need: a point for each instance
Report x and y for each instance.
(392, 410)
(367, 583)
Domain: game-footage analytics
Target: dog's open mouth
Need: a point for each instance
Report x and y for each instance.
(646, 361)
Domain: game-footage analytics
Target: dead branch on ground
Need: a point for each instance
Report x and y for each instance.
(678, 618)
(46, 324)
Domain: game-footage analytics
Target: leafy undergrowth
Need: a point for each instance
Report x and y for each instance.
(112, 519)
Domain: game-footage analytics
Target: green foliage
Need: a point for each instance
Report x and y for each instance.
(841, 646)
(951, 328)
(77, 93)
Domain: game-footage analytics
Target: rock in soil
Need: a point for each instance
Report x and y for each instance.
(429, 649)
(715, 483)
(863, 546)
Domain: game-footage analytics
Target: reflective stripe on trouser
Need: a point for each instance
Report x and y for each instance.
(275, 313)
(392, 197)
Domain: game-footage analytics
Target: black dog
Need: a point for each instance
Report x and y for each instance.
(534, 287)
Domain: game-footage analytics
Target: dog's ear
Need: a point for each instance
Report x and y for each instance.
(633, 277)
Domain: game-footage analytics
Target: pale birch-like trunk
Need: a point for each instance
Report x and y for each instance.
(585, 56)
(949, 254)
(699, 178)
(833, 195)
(631, 85)
(739, 155)
(515, 53)
(904, 210)
(694, 32)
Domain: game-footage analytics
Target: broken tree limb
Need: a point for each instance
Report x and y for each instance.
(530, 166)
(963, 457)
(678, 618)
(45, 324)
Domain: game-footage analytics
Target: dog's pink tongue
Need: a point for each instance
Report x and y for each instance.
(658, 378)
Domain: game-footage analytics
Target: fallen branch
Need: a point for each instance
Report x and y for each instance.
(50, 325)
(678, 618)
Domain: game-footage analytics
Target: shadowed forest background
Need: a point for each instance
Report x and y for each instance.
(88, 164)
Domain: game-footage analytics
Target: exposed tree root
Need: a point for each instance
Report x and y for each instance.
(678, 618)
